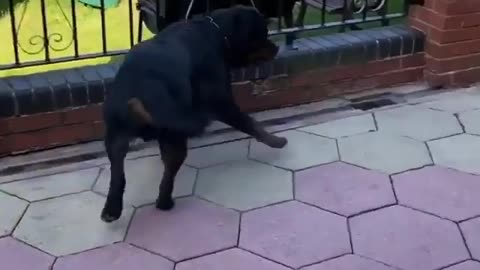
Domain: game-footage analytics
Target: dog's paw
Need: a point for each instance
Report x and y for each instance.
(110, 214)
(276, 142)
(164, 204)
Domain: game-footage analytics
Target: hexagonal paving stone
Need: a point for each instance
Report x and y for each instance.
(343, 127)
(70, 224)
(471, 231)
(232, 259)
(15, 255)
(455, 103)
(468, 265)
(444, 192)
(244, 185)
(343, 188)
(143, 180)
(218, 154)
(418, 123)
(384, 152)
(407, 239)
(119, 257)
(459, 152)
(53, 185)
(192, 229)
(349, 262)
(470, 121)
(302, 151)
(294, 234)
(10, 218)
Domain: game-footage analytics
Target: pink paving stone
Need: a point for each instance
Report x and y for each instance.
(15, 255)
(343, 188)
(349, 262)
(294, 234)
(440, 191)
(469, 265)
(471, 232)
(407, 239)
(193, 228)
(233, 259)
(118, 257)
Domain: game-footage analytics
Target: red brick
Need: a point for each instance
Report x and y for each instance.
(69, 134)
(455, 63)
(454, 49)
(416, 60)
(450, 36)
(400, 76)
(467, 76)
(4, 146)
(98, 130)
(81, 115)
(438, 80)
(441, 21)
(419, 25)
(27, 141)
(30, 122)
(453, 7)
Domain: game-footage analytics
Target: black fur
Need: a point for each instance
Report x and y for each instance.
(170, 87)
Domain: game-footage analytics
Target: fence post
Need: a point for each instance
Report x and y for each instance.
(452, 29)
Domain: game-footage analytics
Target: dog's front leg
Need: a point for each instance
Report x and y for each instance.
(174, 151)
(117, 148)
(230, 114)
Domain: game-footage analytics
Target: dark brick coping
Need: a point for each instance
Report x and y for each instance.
(58, 90)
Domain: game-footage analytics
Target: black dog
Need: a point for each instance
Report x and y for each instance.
(171, 86)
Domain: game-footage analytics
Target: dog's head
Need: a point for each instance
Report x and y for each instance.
(247, 33)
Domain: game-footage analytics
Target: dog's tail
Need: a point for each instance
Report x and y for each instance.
(183, 124)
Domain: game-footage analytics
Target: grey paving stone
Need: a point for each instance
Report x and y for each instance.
(217, 154)
(417, 122)
(244, 185)
(459, 152)
(455, 102)
(12, 211)
(303, 151)
(52, 185)
(343, 127)
(471, 121)
(468, 265)
(349, 262)
(294, 234)
(344, 189)
(194, 228)
(119, 257)
(15, 255)
(70, 224)
(233, 259)
(407, 239)
(143, 179)
(441, 191)
(471, 231)
(384, 152)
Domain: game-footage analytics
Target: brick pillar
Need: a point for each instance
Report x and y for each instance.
(452, 29)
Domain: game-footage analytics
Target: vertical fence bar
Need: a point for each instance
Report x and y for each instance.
(347, 8)
(383, 12)
(74, 28)
(406, 7)
(365, 11)
(45, 30)
(14, 31)
(104, 32)
(130, 22)
(324, 11)
(157, 14)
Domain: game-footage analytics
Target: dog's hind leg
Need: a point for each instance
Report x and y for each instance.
(173, 149)
(117, 147)
(231, 115)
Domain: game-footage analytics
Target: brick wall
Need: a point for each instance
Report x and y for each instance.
(58, 108)
(452, 29)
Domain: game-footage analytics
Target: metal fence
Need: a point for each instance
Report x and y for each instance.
(37, 32)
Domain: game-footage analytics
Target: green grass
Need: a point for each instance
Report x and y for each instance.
(89, 31)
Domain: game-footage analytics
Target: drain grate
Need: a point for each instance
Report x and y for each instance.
(372, 104)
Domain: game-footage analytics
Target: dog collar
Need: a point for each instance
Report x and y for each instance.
(227, 42)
